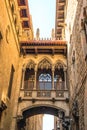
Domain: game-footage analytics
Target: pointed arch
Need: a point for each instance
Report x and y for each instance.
(59, 64)
(47, 58)
(30, 64)
(42, 109)
(45, 64)
(29, 75)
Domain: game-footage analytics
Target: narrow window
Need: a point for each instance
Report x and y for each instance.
(23, 13)
(25, 24)
(21, 2)
(11, 81)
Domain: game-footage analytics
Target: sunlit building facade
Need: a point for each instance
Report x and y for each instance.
(76, 35)
(43, 76)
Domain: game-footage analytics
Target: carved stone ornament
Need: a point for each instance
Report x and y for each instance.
(84, 21)
(75, 110)
(58, 66)
(73, 57)
(44, 64)
(31, 65)
(3, 106)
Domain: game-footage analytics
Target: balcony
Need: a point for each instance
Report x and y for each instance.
(45, 83)
(44, 91)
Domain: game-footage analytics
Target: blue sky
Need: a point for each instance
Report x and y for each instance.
(43, 16)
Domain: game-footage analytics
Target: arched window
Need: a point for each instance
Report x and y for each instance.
(29, 79)
(29, 76)
(45, 81)
(59, 76)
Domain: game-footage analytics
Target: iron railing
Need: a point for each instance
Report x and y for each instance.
(44, 93)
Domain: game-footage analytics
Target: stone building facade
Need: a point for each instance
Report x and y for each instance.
(11, 31)
(76, 35)
(34, 122)
(9, 61)
(15, 28)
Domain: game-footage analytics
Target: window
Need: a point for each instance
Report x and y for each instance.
(11, 81)
(25, 24)
(23, 13)
(21, 2)
(45, 82)
(45, 77)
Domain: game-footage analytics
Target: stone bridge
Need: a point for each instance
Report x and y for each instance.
(43, 86)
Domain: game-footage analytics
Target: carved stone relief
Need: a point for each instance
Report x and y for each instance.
(44, 64)
(31, 65)
(58, 65)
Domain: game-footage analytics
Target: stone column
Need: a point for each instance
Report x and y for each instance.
(22, 78)
(65, 79)
(53, 78)
(35, 81)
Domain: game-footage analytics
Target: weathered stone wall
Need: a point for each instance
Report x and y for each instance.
(9, 55)
(80, 98)
(77, 67)
(85, 105)
(34, 122)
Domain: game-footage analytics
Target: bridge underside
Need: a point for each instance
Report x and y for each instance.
(42, 110)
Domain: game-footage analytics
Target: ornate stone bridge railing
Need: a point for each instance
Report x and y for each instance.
(44, 94)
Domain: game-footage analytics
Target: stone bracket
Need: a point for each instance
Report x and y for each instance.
(3, 106)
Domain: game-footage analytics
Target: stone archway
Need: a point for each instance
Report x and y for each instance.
(38, 110)
(39, 101)
(42, 109)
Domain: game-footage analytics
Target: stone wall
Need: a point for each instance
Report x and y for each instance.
(34, 122)
(85, 105)
(77, 65)
(9, 56)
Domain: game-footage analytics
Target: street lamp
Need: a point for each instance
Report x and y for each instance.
(65, 122)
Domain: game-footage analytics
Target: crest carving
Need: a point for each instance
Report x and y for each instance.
(31, 65)
(58, 66)
(44, 64)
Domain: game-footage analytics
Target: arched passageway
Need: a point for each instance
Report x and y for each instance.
(43, 109)
(44, 89)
